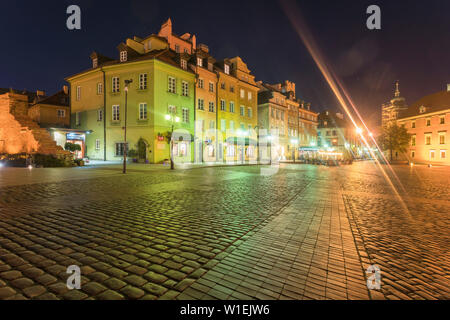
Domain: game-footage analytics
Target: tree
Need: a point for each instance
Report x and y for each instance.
(72, 147)
(394, 138)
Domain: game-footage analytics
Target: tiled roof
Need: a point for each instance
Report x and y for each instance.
(435, 102)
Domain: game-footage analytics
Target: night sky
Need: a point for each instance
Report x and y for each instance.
(38, 51)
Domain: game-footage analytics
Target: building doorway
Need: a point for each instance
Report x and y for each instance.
(142, 147)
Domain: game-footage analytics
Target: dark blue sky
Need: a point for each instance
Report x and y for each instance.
(413, 45)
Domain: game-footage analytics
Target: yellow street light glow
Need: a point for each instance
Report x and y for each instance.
(177, 119)
(167, 116)
(359, 131)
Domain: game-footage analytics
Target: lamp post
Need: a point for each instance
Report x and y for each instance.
(172, 119)
(125, 146)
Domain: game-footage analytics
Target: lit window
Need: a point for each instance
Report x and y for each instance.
(183, 64)
(413, 140)
(432, 153)
(249, 95)
(115, 84)
(142, 111)
(211, 87)
(61, 113)
(231, 106)
(443, 154)
(442, 137)
(115, 113)
(172, 85)
(123, 56)
(222, 105)
(143, 81)
(200, 83)
(242, 93)
(199, 62)
(227, 69)
(185, 88)
(78, 93)
(97, 144)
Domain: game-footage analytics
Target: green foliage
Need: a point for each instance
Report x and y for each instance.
(394, 138)
(132, 153)
(72, 147)
(46, 161)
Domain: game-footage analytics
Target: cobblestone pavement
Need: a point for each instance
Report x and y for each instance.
(306, 232)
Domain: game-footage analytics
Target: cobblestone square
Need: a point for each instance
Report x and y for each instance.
(305, 232)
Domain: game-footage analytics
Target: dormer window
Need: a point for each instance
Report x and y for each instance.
(226, 68)
(210, 66)
(422, 109)
(199, 62)
(177, 48)
(94, 63)
(123, 56)
(183, 64)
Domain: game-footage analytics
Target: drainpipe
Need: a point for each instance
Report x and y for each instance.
(217, 118)
(104, 114)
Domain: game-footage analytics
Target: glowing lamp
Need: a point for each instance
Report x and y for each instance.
(177, 119)
(359, 131)
(167, 117)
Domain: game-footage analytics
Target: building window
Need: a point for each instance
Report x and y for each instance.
(413, 124)
(177, 48)
(231, 125)
(78, 93)
(185, 115)
(201, 104)
(172, 85)
(211, 87)
(77, 119)
(231, 89)
(185, 88)
(100, 115)
(226, 68)
(183, 64)
(115, 113)
(172, 109)
(210, 66)
(231, 106)
(242, 93)
(428, 139)
(142, 111)
(443, 154)
(120, 148)
(94, 63)
(61, 113)
(413, 140)
(182, 150)
(123, 56)
(99, 88)
(272, 112)
(222, 105)
(115, 84)
(432, 153)
(199, 62)
(97, 144)
(143, 81)
(413, 154)
(242, 113)
(442, 120)
(249, 95)
(212, 124)
(211, 106)
(200, 83)
(222, 86)
(249, 112)
(441, 138)
(428, 122)
(223, 124)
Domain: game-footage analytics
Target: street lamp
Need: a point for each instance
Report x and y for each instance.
(359, 130)
(172, 119)
(125, 146)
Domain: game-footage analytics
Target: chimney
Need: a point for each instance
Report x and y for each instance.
(203, 47)
(66, 89)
